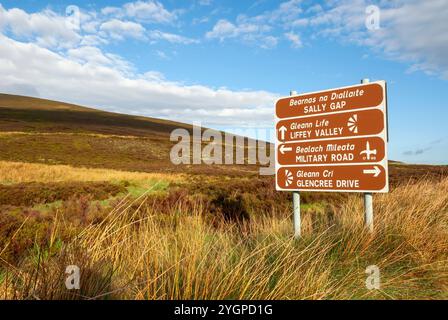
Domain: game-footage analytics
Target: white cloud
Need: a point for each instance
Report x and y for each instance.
(89, 21)
(119, 30)
(54, 31)
(152, 11)
(295, 39)
(154, 76)
(46, 27)
(268, 42)
(223, 29)
(90, 77)
(345, 15)
(197, 21)
(256, 30)
(171, 37)
(413, 31)
(314, 9)
(112, 11)
(302, 22)
(162, 55)
(286, 12)
(147, 11)
(93, 56)
(417, 32)
(93, 40)
(249, 33)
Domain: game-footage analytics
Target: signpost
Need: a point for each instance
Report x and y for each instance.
(333, 140)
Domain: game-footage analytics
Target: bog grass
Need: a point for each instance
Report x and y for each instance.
(139, 252)
(20, 172)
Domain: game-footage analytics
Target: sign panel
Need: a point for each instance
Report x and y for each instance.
(357, 150)
(333, 178)
(333, 140)
(359, 123)
(335, 100)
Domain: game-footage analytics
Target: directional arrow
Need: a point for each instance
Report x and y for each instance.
(283, 149)
(282, 130)
(375, 171)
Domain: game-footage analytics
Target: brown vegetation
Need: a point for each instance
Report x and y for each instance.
(137, 252)
(96, 189)
(19, 172)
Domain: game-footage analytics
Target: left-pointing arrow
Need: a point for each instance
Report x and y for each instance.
(283, 149)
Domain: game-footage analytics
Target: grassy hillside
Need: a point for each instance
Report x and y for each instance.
(43, 131)
(27, 114)
(97, 189)
(50, 132)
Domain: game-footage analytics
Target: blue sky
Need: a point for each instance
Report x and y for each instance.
(224, 63)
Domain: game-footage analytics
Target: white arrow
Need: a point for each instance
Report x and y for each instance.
(282, 130)
(375, 171)
(283, 149)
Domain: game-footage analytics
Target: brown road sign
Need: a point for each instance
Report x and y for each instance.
(333, 140)
(358, 123)
(336, 100)
(359, 178)
(354, 150)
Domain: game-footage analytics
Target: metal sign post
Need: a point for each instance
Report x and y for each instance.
(296, 202)
(297, 222)
(368, 199)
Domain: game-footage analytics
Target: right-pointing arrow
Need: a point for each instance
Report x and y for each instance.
(375, 171)
(283, 149)
(282, 130)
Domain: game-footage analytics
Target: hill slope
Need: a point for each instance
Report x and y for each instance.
(44, 131)
(20, 113)
(51, 132)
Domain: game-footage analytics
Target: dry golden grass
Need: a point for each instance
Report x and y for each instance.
(96, 135)
(17, 172)
(137, 253)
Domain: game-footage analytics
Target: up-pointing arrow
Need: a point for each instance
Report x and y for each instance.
(375, 171)
(282, 130)
(283, 149)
